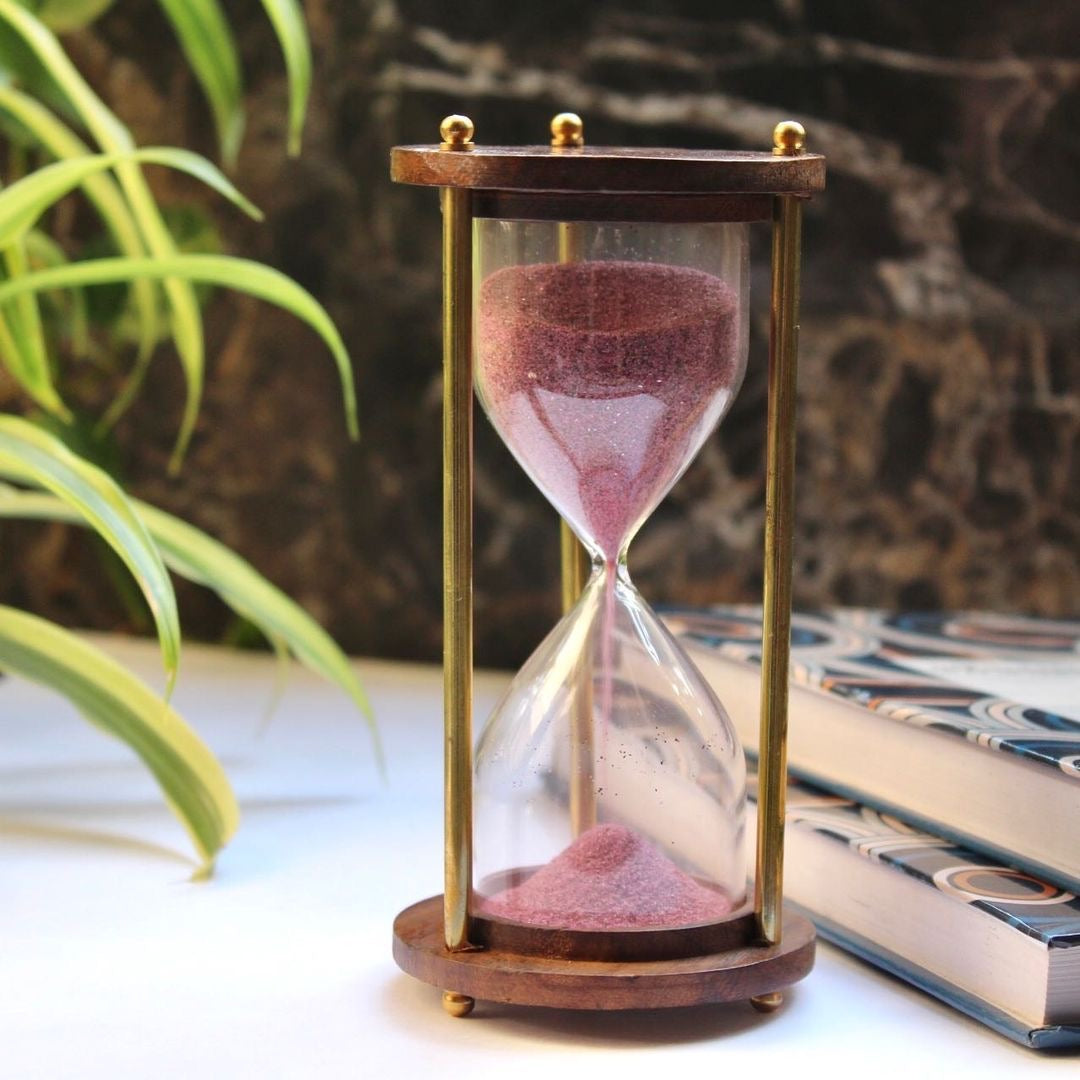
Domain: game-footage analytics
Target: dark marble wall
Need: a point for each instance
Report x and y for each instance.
(939, 454)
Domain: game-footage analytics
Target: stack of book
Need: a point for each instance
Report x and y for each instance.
(941, 838)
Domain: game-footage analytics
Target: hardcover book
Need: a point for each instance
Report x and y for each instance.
(996, 943)
(967, 725)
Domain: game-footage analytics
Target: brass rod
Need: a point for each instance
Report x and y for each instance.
(571, 242)
(779, 526)
(457, 561)
(574, 561)
(575, 573)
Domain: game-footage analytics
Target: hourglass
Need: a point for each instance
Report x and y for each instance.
(597, 300)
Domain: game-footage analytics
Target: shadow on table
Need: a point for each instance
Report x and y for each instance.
(72, 836)
(417, 1007)
(53, 821)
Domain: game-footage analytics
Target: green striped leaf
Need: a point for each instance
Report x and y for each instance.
(113, 137)
(207, 42)
(191, 779)
(59, 141)
(22, 342)
(42, 252)
(287, 17)
(31, 456)
(27, 199)
(241, 274)
(193, 555)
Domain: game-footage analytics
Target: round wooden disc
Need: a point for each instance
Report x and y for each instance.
(496, 975)
(611, 169)
(615, 945)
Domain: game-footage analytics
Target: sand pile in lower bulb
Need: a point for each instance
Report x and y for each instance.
(609, 878)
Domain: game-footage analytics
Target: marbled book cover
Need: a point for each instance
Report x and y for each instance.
(984, 887)
(871, 658)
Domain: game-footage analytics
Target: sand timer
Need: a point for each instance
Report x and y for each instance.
(597, 300)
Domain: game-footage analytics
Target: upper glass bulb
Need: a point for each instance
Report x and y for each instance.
(605, 375)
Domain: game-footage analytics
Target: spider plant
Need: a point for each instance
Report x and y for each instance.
(63, 141)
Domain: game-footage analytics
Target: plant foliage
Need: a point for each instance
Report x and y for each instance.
(63, 141)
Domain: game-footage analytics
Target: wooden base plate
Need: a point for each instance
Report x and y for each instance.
(738, 974)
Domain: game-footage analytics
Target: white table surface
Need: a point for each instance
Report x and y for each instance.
(112, 964)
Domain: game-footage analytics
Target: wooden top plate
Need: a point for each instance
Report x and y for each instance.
(607, 169)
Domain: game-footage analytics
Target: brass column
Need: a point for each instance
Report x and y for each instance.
(788, 139)
(457, 543)
(574, 560)
(567, 135)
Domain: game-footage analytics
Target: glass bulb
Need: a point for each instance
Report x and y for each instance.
(610, 785)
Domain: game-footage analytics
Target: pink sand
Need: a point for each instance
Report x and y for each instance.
(609, 878)
(599, 376)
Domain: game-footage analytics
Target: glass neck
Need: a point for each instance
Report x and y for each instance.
(601, 565)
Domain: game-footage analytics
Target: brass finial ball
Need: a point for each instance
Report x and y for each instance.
(567, 129)
(456, 131)
(789, 137)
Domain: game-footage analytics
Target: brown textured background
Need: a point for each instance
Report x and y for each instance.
(939, 454)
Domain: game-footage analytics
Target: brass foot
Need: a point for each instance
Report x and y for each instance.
(767, 1003)
(457, 1004)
